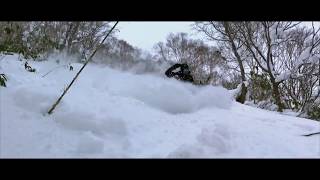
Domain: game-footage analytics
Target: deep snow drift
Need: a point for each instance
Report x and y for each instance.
(113, 114)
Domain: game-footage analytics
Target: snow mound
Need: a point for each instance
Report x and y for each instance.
(31, 100)
(216, 139)
(169, 95)
(211, 142)
(89, 144)
(89, 122)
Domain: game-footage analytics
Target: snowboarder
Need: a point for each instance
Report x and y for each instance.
(180, 72)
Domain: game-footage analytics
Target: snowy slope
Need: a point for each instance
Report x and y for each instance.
(114, 114)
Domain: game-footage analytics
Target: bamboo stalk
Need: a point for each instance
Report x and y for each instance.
(84, 65)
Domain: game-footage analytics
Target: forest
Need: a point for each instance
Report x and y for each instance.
(272, 65)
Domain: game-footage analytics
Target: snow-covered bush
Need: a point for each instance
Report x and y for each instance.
(313, 111)
(259, 88)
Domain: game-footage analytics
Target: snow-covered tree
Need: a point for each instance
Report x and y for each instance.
(275, 45)
(225, 35)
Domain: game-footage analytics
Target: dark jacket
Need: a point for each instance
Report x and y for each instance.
(180, 72)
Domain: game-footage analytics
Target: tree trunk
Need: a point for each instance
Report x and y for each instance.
(69, 28)
(242, 96)
(72, 36)
(276, 95)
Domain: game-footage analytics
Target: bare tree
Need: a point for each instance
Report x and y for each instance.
(226, 36)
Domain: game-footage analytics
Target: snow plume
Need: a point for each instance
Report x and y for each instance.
(134, 65)
(115, 114)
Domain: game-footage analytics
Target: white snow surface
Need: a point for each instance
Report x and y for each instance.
(113, 114)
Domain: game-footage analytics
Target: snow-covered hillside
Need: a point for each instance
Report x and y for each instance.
(113, 114)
